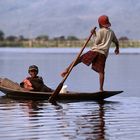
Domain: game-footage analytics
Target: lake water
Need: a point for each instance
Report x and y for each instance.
(117, 118)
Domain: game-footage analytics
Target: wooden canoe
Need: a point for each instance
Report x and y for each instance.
(20, 93)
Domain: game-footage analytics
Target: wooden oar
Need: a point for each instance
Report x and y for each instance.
(59, 87)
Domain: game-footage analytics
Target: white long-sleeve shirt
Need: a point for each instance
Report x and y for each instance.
(103, 40)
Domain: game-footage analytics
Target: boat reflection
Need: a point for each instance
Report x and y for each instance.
(87, 123)
(93, 124)
(32, 108)
(75, 120)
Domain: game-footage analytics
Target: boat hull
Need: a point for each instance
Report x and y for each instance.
(16, 94)
(13, 90)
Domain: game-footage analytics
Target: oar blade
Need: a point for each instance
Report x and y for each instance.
(55, 93)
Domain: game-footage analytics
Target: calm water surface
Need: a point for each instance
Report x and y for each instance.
(117, 118)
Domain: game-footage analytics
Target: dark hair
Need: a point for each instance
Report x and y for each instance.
(33, 67)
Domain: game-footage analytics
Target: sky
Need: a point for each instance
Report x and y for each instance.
(54, 18)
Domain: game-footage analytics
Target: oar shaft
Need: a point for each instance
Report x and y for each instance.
(59, 87)
(78, 56)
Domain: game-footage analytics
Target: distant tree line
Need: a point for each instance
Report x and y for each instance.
(40, 37)
(43, 38)
(1, 35)
(61, 41)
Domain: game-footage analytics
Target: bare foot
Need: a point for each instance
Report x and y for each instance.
(64, 73)
(101, 90)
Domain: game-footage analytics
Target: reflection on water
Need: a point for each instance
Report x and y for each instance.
(35, 120)
(77, 120)
(118, 118)
(92, 125)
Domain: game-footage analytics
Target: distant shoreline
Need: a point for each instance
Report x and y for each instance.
(63, 43)
(63, 50)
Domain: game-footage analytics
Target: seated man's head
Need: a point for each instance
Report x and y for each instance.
(33, 70)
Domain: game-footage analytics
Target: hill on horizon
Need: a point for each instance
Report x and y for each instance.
(32, 18)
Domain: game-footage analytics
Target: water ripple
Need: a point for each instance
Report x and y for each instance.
(26, 120)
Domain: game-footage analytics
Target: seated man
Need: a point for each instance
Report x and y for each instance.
(34, 82)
